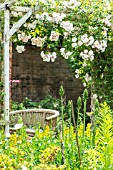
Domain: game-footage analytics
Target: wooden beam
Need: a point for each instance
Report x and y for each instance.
(6, 72)
(7, 4)
(2, 7)
(18, 24)
(11, 3)
(20, 9)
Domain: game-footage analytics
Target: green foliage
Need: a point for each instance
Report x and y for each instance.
(49, 102)
(47, 148)
(105, 137)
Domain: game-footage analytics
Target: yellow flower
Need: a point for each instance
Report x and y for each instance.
(46, 132)
(66, 130)
(88, 130)
(49, 154)
(13, 139)
(80, 130)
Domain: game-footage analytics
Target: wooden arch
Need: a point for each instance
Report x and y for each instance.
(8, 33)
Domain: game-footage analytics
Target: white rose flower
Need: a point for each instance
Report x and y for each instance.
(90, 53)
(62, 50)
(66, 55)
(74, 39)
(44, 15)
(85, 57)
(31, 26)
(96, 44)
(37, 41)
(84, 36)
(48, 57)
(37, 16)
(74, 45)
(94, 96)
(92, 57)
(77, 76)
(107, 22)
(84, 64)
(87, 77)
(67, 25)
(15, 14)
(42, 54)
(53, 56)
(56, 17)
(54, 36)
(81, 54)
(69, 53)
(85, 40)
(80, 43)
(23, 37)
(77, 71)
(20, 48)
(85, 51)
(91, 40)
(19, 13)
(66, 35)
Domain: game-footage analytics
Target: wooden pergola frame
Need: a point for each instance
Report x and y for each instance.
(8, 33)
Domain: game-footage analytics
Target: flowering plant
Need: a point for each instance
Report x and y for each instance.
(82, 31)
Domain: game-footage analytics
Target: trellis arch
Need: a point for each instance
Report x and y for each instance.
(8, 33)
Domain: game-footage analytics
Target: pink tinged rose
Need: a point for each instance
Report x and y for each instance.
(84, 64)
(53, 57)
(84, 84)
(37, 41)
(54, 36)
(15, 81)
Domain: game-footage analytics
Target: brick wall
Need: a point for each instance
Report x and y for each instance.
(39, 78)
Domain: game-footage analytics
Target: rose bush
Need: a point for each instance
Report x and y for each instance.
(83, 33)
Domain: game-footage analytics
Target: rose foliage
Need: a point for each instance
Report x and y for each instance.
(80, 31)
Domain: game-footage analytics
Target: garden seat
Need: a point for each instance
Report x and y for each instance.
(32, 118)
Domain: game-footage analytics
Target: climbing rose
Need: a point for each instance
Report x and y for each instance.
(37, 41)
(54, 36)
(67, 25)
(20, 48)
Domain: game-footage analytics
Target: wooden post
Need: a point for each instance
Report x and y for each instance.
(6, 71)
(7, 35)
